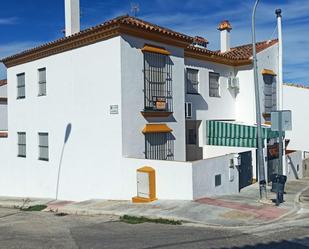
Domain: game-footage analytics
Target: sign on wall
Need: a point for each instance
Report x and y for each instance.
(283, 118)
(113, 109)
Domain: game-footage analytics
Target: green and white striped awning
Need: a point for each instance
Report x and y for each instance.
(222, 133)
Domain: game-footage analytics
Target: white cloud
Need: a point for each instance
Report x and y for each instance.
(8, 21)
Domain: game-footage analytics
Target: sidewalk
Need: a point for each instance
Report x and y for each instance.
(232, 210)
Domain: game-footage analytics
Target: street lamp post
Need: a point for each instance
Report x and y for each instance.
(260, 159)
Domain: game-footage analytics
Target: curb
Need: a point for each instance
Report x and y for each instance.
(186, 222)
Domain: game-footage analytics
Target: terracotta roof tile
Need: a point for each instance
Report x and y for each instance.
(3, 82)
(125, 20)
(122, 24)
(244, 52)
(297, 85)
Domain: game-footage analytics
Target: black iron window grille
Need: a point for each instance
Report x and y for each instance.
(21, 144)
(42, 81)
(159, 146)
(270, 100)
(157, 82)
(43, 147)
(21, 86)
(214, 90)
(192, 81)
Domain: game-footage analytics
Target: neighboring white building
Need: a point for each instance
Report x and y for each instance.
(3, 106)
(86, 111)
(295, 98)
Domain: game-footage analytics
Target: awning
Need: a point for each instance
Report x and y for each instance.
(268, 72)
(154, 49)
(237, 135)
(156, 128)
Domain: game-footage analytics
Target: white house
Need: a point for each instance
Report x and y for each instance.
(3, 107)
(88, 110)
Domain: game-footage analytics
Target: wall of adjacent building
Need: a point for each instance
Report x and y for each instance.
(3, 109)
(294, 167)
(132, 78)
(296, 100)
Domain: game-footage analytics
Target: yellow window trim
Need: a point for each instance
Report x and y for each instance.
(268, 72)
(153, 49)
(156, 128)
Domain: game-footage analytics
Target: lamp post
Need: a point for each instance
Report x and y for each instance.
(260, 159)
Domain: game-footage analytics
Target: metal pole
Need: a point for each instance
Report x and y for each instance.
(282, 168)
(280, 171)
(260, 158)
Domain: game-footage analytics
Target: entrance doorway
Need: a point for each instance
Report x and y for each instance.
(245, 169)
(193, 151)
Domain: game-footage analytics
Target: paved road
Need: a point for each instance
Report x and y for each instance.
(45, 230)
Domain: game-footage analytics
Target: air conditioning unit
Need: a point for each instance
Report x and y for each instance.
(234, 83)
(188, 109)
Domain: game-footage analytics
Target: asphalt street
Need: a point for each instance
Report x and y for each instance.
(20, 229)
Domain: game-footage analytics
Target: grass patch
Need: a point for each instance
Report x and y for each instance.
(137, 220)
(34, 208)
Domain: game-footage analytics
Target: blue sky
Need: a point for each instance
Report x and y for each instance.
(25, 24)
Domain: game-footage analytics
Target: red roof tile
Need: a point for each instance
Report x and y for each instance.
(123, 24)
(3, 82)
(244, 52)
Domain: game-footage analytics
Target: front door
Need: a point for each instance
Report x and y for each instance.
(245, 169)
(193, 151)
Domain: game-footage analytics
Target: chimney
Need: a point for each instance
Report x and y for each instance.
(225, 27)
(72, 17)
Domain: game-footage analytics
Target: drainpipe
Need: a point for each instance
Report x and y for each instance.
(280, 88)
(260, 159)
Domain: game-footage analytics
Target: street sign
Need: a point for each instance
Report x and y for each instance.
(281, 118)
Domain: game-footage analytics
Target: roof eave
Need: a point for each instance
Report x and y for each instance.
(217, 58)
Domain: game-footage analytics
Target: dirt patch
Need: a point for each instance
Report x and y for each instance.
(237, 215)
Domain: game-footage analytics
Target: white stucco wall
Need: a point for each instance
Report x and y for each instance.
(204, 173)
(81, 85)
(173, 179)
(296, 100)
(4, 165)
(205, 107)
(245, 100)
(3, 91)
(132, 77)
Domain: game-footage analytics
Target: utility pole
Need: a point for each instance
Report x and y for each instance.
(260, 159)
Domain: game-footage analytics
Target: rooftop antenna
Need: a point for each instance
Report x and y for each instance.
(134, 9)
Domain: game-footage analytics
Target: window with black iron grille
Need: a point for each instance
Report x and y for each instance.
(157, 82)
(192, 81)
(214, 84)
(21, 86)
(21, 144)
(270, 101)
(42, 81)
(159, 146)
(43, 146)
